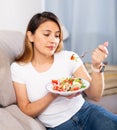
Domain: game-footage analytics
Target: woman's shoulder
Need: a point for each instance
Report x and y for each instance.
(19, 65)
(66, 54)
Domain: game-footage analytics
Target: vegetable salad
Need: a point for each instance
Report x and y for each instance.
(68, 84)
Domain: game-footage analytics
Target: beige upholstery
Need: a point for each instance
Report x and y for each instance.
(11, 44)
(11, 118)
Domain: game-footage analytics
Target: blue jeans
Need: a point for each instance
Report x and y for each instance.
(90, 117)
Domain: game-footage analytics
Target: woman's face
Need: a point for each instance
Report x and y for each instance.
(46, 38)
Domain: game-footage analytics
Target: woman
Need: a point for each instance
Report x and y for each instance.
(44, 60)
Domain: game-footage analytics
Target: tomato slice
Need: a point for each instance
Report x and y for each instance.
(72, 57)
(55, 87)
(75, 88)
(55, 81)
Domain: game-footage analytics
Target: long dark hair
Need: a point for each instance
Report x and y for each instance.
(34, 23)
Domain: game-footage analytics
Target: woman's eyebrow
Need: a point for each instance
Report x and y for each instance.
(50, 31)
(46, 30)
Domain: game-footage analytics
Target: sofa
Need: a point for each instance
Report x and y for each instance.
(11, 117)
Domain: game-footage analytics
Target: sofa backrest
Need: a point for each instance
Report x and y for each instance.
(11, 45)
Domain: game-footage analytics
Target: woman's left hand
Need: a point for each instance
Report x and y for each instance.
(99, 55)
(73, 95)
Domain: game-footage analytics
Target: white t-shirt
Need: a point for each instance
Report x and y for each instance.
(61, 109)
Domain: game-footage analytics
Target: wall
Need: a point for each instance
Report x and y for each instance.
(15, 14)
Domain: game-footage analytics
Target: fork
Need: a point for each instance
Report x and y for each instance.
(73, 57)
(85, 53)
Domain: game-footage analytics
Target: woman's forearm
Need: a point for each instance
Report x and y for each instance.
(33, 109)
(96, 87)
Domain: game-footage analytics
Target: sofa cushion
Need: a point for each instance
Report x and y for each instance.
(8, 122)
(11, 45)
(25, 122)
(11, 118)
(7, 95)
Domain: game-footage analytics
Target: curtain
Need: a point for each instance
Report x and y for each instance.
(89, 23)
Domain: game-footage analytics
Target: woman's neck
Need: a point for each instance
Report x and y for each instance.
(43, 60)
(42, 64)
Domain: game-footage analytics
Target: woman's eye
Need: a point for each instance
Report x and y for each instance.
(57, 36)
(46, 35)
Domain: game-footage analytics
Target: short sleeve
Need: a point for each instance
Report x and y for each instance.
(17, 73)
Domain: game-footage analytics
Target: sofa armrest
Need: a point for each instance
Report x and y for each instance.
(25, 122)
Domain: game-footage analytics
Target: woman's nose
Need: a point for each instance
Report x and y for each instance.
(52, 38)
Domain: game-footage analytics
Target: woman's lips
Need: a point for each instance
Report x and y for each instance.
(51, 47)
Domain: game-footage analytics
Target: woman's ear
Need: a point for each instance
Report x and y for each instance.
(30, 36)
